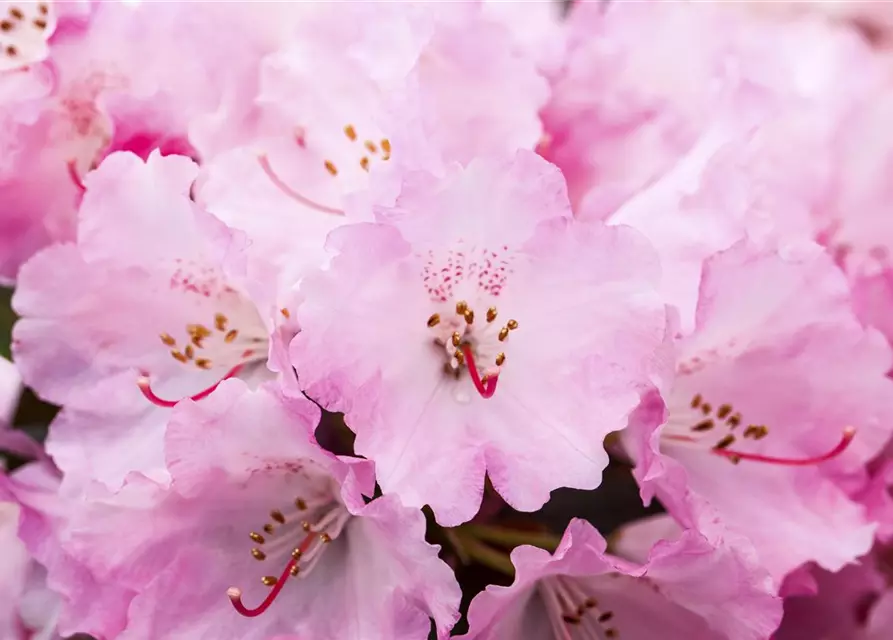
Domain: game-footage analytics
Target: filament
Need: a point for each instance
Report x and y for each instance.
(280, 184)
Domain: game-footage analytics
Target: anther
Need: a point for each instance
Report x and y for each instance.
(364, 163)
(6, 25)
(371, 146)
(300, 504)
(704, 425)
(256, 537)
(231, 335)
(43, 9)
(203, 363)
(330, 167)
(570, 619)
(610, 633)
(734, 421)
(500, 358)
(491, 314)
(269, 529)
(325, 537)
(696, 401)
(457, 339)
(469, 316)
(16, 13)
(607, 615)
(512, 324)
(386, 147)
(295, 570)
(284, 312)
(11, 51)
(706, 408)
(305, 526)
(220, 321)
(268, 580)
(460, 357)
(40, 24)
(723, 411)
(757, 432)
(189, 351)
(168, 339)
(258, 554)
(350, 132)
(179, 356)
(724, 442)
(277, 516)
(296, 553)
(503, 334)
(434, 320)
(461, 307)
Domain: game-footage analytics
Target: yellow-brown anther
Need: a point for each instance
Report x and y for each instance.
(491, 314)
(503, 334)
(461, 307)
(512, 324)
(6, 25)
(350, 132)
(40, 24)
(757, 432)
(434, 320)
(300, 504)
(256, 537)
(231, 335)
(325, 537)
(269, 529)
(571, 619)
(386, 147)
(179, 356)
(457, 339)
(364, 163)
(704, 425)
(296, 553)
(168, 339)
(197, 341)
(203, 363)
(735, 420)
(706, 408)
(277, 516)
(607, 615)
(43, 8)
(220, 321)
(285, 312)
(500, 358)
(16, 13)
(723, 411)
(305, 526)
(258, 554)
(268, 581)
(696, 401)
(331, 168)
(11, 51)
(484, 378)
(460, 357)
(295, 570)
(189, 351)
(725, 442)
(469, 316)
(371, 146)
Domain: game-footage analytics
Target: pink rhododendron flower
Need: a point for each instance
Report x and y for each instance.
(259, 512)
(142, 302)
(13, 569)
(622, 113)
(686, 589)
(483, 280)
(759, 422)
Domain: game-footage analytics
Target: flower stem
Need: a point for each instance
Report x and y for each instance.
(484, 554)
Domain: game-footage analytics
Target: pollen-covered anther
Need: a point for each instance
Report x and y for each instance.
(500, 358)
(202, 363)
(491, 314)
(258, 554)
(503, 334)
(256, 537)
(512, 325)
(456, 339)
(350, 132)
(461, 307)
(364, 163)
(268, 581)
(301, 504)
(168, 340)
(220, 321)
(277, 516)
(434, 320)
(370, 146)
(757, 432)
(330, 167)
(386, 148)
(469, 316)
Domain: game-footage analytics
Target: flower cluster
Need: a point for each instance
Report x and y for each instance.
(331, 298)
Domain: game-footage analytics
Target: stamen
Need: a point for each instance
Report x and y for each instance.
(491, 314)
(235, 594)
(848, 434)
(486, 387)
(434, 320)
(291, 193)
(145, 386)
(350, 132)
(330, 167)
(469, 316)
(72, 169)
(386, 147)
